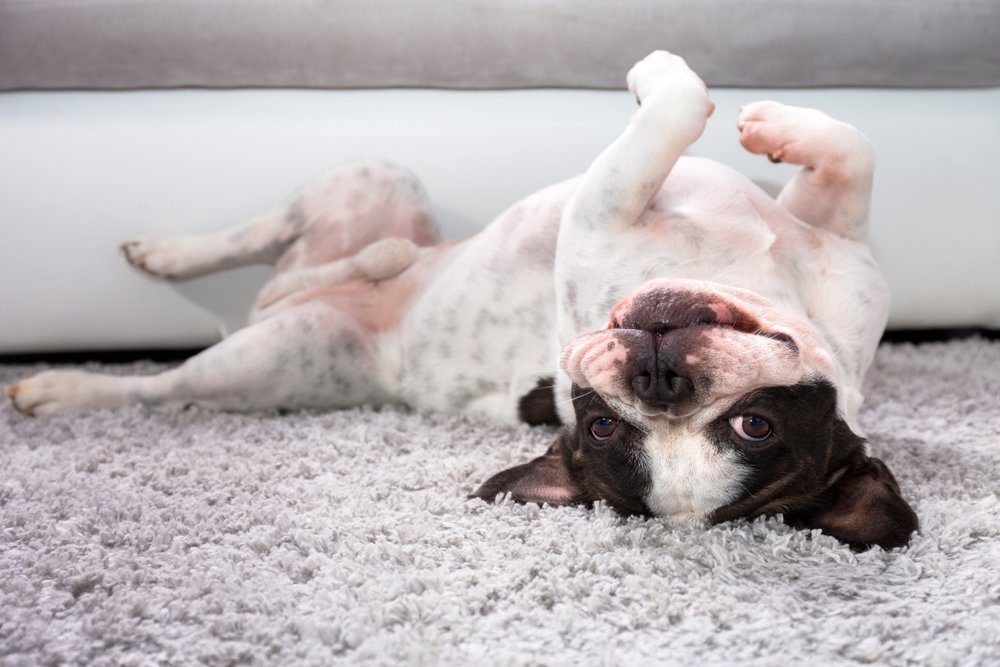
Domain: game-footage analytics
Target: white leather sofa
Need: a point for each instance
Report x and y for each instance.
(120, 119)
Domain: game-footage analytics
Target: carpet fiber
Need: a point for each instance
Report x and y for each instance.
(138, 537)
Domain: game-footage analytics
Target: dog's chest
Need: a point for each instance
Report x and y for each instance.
(720, 235)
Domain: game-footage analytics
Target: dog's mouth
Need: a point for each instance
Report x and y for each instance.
(660, 314)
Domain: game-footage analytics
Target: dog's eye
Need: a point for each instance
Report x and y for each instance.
(603, 427)
(751, 427)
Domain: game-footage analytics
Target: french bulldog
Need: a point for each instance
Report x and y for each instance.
(702, 344)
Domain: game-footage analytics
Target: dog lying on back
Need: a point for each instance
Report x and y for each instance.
(702, 344)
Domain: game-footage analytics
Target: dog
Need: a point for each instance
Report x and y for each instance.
(701, 344)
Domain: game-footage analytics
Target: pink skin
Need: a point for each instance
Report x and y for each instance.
(348, 229)
(377, 306)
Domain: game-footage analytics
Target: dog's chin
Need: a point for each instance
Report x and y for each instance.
(665, 306)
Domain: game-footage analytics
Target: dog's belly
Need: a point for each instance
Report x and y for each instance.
(481, 335)
(485, 329)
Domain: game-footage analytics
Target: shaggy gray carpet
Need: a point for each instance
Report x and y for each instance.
(136, 537)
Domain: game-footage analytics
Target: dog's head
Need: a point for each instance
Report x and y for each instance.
(705, 400)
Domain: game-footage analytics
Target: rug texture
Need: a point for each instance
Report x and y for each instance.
(133, 537)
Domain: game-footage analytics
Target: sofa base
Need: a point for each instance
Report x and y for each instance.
(82, 171)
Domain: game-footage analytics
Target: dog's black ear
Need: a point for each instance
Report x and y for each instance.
(547, 479)
(862, 507)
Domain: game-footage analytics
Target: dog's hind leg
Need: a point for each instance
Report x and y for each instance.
(259, 241)
(334, 216)
(833, 189)
(314, 355)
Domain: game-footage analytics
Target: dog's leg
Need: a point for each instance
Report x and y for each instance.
(310, 356)
(334, 216)
(259, 241)
(619, 185)
(833, 188)
(379, 261)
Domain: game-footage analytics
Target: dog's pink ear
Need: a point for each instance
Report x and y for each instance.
(863, 507)
(545, 480)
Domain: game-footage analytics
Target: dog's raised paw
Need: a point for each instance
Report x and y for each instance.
(160, 257)
(805, 137)
(664, 70)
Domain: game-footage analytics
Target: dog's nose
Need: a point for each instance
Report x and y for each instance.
(656, 383)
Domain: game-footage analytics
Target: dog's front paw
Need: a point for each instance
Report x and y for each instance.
(802, 136)
(56, 392)
(661, 70)
(165, 258)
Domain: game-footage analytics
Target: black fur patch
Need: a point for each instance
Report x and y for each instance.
(538, 406)
(579, 469)
(807, 436)
(813, 469)
(612, 469)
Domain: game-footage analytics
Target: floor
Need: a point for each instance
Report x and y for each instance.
(178, 536)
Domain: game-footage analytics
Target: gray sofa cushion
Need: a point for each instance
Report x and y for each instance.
(493, 43)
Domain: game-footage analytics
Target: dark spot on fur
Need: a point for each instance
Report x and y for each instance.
(484, 386)
(538, 247)
(571, 296)
(296, 218)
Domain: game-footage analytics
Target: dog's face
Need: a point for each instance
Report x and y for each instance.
(704, 400)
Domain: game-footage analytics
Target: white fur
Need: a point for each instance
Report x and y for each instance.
(690, 475)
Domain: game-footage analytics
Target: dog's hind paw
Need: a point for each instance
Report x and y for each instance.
(165, 258)
(55, 392)
(11, 392)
